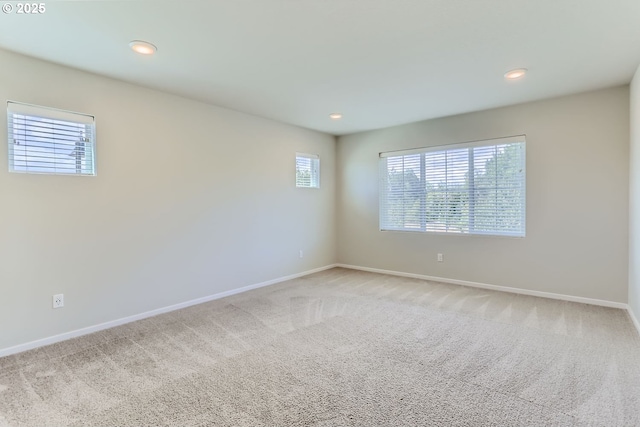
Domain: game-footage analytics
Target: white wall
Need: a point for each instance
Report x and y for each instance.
(634, 199)
(190, 200)
(577, 199)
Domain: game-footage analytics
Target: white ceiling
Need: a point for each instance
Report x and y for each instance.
(379, 62)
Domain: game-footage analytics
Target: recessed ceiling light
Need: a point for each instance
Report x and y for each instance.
(335, 116)
(515, 74)
(142, 47)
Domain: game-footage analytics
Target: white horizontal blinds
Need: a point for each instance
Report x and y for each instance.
(500, 189)
(307, 170)
(447, 190)
(476, 188)
(45, 140)
(401, 201)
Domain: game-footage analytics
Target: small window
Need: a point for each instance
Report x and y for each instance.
(50, 141)
(307, 170)
(472, 188)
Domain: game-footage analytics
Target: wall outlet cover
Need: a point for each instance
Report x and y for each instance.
(58, 301)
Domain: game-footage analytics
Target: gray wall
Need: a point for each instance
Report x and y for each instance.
(190, 200)
(577, 199)
(634, 199)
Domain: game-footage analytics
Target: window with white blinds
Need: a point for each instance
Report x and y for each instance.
(50, 141)
(474, 188)
(307, 170)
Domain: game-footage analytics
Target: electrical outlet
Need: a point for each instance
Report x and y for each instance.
(301, 254)
(440, 258)
(58, 301)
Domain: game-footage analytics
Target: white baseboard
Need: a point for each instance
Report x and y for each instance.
(551, 295)
(106, 325)
(634, 319)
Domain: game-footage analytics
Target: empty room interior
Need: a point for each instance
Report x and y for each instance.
(319, 213)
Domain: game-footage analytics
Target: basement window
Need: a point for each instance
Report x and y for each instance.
(470, 188)
(307, 170)
(44, 140)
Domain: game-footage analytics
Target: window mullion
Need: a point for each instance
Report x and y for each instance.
(472, 191)
(423, 193)
(447, 220)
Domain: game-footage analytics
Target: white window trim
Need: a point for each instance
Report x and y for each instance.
(383, 185)
(314, 160)
(18, 109)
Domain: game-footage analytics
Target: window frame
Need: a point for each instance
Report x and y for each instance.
(385, 210)
(61, 123)
(314, 170)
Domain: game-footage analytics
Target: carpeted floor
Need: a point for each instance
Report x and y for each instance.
(340, 348)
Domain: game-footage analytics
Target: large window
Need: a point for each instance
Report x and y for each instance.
(45, 140)
(474, 188)
(307, 170)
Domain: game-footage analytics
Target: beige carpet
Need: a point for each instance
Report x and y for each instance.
(340, 348)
